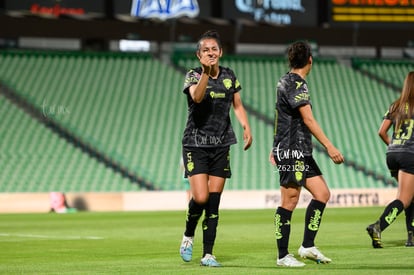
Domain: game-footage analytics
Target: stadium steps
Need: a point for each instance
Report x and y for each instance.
(350, 106)
(120, 104)
(87, 148)
(34, 159)
(389, 72)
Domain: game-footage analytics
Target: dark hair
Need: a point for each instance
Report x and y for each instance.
(210, 34)
(298, 54)
(403, 107)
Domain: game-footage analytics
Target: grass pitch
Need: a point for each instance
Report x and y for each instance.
(148, 243)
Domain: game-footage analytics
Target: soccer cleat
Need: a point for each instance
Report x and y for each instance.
(312, 253)
(209, 260)
(186, 248)
(289, 261)
(374, 232)
(410, 239)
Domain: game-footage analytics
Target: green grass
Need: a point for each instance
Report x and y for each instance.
(148, 243)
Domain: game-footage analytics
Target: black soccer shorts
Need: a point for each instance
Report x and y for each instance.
(400, 161)
(297, 170)
(211, 161)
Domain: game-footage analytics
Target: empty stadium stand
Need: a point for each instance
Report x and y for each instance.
(35, 159)
(118, 117)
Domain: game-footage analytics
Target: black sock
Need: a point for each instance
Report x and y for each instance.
(210, 223)
(282, 224)
(313, 219)
(409, 217)
(194, 213)
(391, 211)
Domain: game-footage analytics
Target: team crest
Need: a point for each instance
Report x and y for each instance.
(190, 166)
(298, 176)
(227, 83)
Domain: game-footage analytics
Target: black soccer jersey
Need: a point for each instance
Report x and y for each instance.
(403, 139)
(291, 135)
(208, 122)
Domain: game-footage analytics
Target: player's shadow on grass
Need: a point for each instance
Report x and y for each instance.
(394, 243)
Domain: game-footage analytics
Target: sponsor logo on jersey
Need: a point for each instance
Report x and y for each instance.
(301, 97)
(217, 95)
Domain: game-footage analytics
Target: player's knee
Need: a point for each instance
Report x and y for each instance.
(323, 196)
(200, 198)
(290, 204)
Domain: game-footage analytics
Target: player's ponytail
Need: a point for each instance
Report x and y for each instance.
(403, 107)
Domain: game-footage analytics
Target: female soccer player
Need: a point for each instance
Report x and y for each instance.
(400, 159)
(292, 155)
(211, 91)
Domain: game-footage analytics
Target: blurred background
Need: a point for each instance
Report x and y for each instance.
(92, 105)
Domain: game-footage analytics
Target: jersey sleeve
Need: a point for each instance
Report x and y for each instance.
(237, 87)
(299, 95)
(230, 81)
(387, 114)
(191, 78)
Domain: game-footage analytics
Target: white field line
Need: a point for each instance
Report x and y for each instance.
(35, 236)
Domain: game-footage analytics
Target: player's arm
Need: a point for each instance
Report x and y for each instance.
(383, 130)
(198, 90)
(317, 132)
(242, 118)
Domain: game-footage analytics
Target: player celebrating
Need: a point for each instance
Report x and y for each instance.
(400, 160)
(292, 155)
(211, 91)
